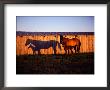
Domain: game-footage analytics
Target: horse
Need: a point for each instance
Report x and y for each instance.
(69, 44)
(36, 45)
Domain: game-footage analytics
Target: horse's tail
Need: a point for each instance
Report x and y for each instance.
(79, 45)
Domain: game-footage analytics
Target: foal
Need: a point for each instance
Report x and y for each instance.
(34, 49)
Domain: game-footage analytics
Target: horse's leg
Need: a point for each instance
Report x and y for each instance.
(78, 49)
(38, 51)
(33, 52)
(71, 50)
(65, 50)
(54, 49)
(68, 50)
(75, 48)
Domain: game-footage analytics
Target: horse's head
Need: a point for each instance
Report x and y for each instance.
(28, 41)
(63, 40)
(31, 45)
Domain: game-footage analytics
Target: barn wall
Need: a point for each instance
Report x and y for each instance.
(87, 44)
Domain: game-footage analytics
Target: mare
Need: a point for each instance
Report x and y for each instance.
(36, 45)
(69, 44)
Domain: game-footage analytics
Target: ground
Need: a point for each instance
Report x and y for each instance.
(82, 63)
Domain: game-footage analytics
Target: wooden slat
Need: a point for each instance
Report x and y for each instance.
(87, 44)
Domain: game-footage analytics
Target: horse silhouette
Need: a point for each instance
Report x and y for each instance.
(36, 45)
(69, 44)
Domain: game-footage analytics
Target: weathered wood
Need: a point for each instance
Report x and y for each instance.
(87, 44)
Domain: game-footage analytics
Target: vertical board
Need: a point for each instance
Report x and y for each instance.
(87, 43)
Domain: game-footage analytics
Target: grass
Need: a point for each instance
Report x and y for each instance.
(82, 63)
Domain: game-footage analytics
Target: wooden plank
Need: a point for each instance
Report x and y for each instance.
(87, 44)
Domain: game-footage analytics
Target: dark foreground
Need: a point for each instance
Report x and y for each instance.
(55, 64)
